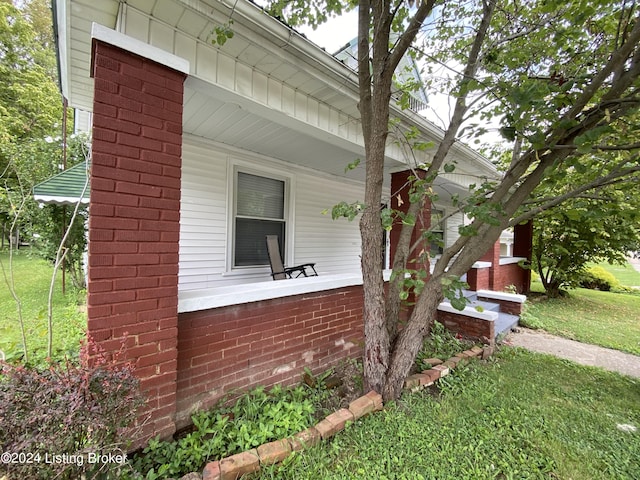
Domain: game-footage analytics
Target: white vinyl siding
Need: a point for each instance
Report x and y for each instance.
(206, 218)
(438, 226)
(451, 232)
(203, 216)
(333, 244)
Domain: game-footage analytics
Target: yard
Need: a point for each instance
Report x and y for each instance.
(602, 318)
(32, 277)
(520, 415)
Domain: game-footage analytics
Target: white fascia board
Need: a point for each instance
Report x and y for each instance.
(63, 45)
(130, 44)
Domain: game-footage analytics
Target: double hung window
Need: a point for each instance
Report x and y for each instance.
(260, 210)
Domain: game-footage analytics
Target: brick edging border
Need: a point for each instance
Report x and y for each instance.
(421, 380)
(234, 466)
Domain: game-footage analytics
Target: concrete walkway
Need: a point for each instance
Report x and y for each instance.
(582, 353)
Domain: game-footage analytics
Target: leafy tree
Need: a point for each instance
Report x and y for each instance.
(30, 104)
(30, 119)
(562, 76)
(603, 225)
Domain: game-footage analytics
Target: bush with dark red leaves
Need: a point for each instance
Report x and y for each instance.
(68, 420)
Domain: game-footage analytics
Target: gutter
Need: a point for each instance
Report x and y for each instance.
(56, 37)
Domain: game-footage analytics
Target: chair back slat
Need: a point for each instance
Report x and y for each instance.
(275, 260)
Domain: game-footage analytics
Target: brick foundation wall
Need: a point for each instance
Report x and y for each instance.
(263, 343)
(468, 327)
(134, 222)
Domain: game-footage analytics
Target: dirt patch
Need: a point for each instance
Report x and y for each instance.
(343, 384)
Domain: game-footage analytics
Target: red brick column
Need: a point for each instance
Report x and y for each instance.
(493, 255)
(523, 247)
(400, 187)
(134, 221)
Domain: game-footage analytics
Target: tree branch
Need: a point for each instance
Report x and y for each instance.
(554, 202)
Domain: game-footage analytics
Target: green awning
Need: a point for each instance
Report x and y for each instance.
(65, 188)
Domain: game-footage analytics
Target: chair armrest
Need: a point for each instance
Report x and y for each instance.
(302, 270)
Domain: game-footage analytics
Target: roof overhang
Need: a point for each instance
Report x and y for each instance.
(267, 90)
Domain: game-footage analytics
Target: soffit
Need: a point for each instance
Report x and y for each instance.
(311, 72)
(267, 55)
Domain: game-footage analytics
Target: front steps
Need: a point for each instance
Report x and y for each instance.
(488, 316)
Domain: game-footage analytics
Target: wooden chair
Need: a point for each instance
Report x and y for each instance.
(278, 270)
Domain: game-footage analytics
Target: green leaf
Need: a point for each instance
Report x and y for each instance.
(352, 166)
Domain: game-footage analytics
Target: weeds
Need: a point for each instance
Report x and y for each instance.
(257, 417)
(441, 343)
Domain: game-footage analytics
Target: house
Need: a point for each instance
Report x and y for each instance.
(200, 150)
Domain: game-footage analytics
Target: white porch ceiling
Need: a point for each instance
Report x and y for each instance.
(233, 124)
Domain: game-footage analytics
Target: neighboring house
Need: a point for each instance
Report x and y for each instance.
(198, 152)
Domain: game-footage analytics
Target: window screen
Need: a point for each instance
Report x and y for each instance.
(260, 211)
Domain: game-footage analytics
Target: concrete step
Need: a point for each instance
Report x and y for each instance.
(504, 324)
(486, 306)
(472, 301)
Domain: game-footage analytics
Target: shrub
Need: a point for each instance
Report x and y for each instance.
(597, 278)
(65, 421)
(529, 320)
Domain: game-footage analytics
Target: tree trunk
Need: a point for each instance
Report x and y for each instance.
(376, 358)
(410, 339)
(552, 289)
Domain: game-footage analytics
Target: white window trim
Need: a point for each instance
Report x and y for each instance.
(234, 166)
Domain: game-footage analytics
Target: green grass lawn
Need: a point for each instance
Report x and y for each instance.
(32, 277)
(626, 274)
(602, 318)
(520, 416)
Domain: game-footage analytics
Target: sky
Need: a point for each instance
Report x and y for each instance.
(338, 31)
(335, 33)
